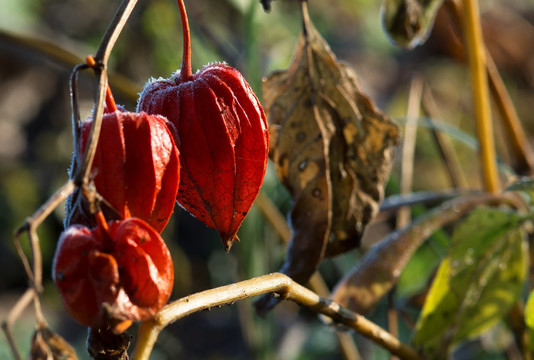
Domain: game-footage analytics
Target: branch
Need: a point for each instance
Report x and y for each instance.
(282, 286)
(101, 58)
(34, 272)
(30, 225)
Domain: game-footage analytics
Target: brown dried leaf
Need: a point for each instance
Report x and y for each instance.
(332, 149)
(47, 345)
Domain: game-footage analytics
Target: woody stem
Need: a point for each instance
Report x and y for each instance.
(111, 106)
(186, 74)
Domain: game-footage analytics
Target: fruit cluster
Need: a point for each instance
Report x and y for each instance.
(197, 139)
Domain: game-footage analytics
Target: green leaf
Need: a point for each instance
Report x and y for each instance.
(529, 311)
(476, 284)
(409, 22)
(529, 319)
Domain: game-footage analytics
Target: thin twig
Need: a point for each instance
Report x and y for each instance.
(445, 147)
(519, 142)
(276, 283)
(479, 80)
(273, 216)
(13, 315)
(406, 178)
(393, 202)
(393, 317)
(73, 88)
(33, 272)
(30, 226)
(348, 346)
(113, 31)
(101, 58)
(408, 146)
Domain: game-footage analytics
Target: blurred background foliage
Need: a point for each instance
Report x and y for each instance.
(36, 145)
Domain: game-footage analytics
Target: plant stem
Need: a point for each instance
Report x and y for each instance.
(30, 226)
(408, 147)
(73, 88)
(516, 134)
(102, 226)
(101, 58)
(113, 31)
(21, 304)
(186, 74)
(477, 62)
(445, 147)
(33, 272)
(519, 141)
(273, 283)
(111, 106)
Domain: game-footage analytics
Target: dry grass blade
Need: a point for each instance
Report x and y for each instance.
(46, 344)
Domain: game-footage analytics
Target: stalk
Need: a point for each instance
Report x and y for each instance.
(186, 74)
(111, 106)
(477, 61)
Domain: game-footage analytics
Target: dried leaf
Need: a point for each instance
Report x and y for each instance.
(47, 345)
(332, 149)
(409, 22)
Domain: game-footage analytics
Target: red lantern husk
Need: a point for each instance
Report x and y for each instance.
(106, 276)
(222, 136)
(136, 169)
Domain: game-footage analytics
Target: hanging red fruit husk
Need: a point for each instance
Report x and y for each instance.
(136, 168)
(117, 273)
(222, 136)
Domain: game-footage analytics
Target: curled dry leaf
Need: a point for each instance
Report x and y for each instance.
(409, 22)
(47, 345)
(332, 148)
